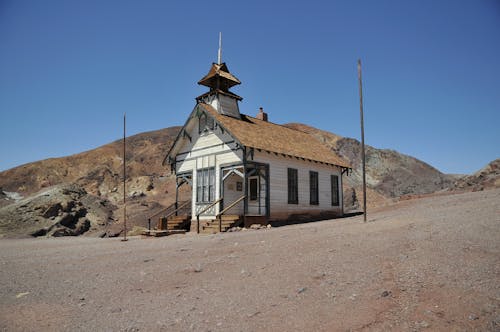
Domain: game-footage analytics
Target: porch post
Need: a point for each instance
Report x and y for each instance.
(221, 188)
(176, 194)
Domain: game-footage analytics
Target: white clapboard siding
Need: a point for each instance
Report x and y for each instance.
(218, 149)
(278, 175)
(206, 140)
(213, 143)
(207, 149)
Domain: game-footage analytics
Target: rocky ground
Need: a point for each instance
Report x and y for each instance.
(61, 210)
(422, 264)
(486, 178)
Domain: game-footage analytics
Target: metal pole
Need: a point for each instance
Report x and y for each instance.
(219, 53)
(362, 138)
(124, 187)
(176, 195)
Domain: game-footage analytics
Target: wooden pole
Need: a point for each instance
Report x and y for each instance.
(124, 186)
(362, 138)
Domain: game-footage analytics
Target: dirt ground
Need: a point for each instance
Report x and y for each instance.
(423, 264)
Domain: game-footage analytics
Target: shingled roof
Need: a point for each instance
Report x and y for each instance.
(268, 136)
(219, 70)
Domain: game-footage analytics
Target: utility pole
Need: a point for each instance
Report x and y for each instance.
(362, 138)
(124, 187)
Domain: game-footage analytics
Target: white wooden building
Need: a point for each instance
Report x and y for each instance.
(247, 168)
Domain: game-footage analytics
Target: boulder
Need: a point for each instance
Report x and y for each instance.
(62, 210)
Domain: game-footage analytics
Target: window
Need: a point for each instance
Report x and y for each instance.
(205, 123)
(293, 186)
(253, 188)
(313, 188)
(334, 180)
(205, 185)
(210, 123)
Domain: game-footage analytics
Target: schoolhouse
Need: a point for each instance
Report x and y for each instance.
(245, 170)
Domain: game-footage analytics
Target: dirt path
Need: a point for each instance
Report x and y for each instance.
(432, 263)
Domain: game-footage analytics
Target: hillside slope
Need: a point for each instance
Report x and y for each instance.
(486, 178)
(151, 186)
(389, 174)
(100, 171)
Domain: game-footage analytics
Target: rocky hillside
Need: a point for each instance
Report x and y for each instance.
(99, 171)
(151, 187)
(389, 174)
(61, 210)
(486, 178)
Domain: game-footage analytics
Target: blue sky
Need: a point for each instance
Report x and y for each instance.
(431, 71)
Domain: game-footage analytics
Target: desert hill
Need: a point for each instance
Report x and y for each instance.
(389, 174)
(150, 186)
(98, 170)
(486, 178)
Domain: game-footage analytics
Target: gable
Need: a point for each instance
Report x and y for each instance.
(200, 135)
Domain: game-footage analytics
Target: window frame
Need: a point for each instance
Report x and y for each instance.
(334, 189)
(205, 123)
(313, 188)
(257, 188)
(205, 185)
(293, 185)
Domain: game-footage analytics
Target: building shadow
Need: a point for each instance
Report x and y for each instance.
(304, 219)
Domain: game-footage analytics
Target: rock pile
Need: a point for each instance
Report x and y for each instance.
(3, 198)
(62, 210)
(486, 178)
(252, 227)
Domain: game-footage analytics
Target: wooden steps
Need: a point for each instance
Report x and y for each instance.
(180, 222)
(212, 226)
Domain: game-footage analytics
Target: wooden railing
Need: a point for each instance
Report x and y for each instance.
(202, 211)
(175, 206)
(219, 215)
(183, 205)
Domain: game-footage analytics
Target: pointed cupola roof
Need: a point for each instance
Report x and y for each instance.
(219, 78)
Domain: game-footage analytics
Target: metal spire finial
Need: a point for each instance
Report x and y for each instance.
(219, 54)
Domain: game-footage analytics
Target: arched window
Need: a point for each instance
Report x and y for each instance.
(206, 123)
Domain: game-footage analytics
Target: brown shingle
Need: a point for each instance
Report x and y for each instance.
(222, 71)
(271, 137)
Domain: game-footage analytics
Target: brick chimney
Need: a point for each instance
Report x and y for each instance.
(262, 115)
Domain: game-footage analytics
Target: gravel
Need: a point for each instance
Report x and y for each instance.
(437, 259)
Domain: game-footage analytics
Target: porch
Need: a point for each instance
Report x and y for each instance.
(243, 197)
